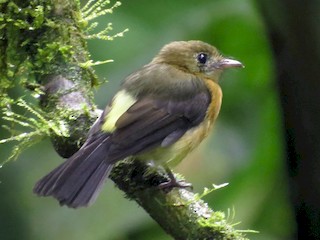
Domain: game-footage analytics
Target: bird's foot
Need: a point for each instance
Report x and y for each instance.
(173, 182)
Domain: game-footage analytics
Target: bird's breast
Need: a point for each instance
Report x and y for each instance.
(216, 99)
(173, 154)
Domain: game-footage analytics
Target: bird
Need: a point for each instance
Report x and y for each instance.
(160, 114)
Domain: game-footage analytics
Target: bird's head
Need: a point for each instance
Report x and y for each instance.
(195, 57)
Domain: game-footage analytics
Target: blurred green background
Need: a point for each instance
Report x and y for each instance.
(245, 150)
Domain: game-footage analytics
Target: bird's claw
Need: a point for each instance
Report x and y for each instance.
(174, 183)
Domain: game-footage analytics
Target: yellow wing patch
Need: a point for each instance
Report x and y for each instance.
(121, 102)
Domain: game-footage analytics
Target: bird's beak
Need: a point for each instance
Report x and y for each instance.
(229, 63)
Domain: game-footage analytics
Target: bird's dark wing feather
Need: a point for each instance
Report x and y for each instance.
(150, 123)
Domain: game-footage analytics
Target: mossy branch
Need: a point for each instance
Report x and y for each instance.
(43, 48)
(180, 212)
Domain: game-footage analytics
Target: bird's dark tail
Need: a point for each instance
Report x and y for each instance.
(78, 181)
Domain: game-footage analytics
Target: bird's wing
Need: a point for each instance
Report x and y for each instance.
(149, 123)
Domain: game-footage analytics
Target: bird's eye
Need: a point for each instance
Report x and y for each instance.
(202, 58)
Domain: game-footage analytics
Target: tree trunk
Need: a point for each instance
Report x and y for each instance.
(294, 32)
